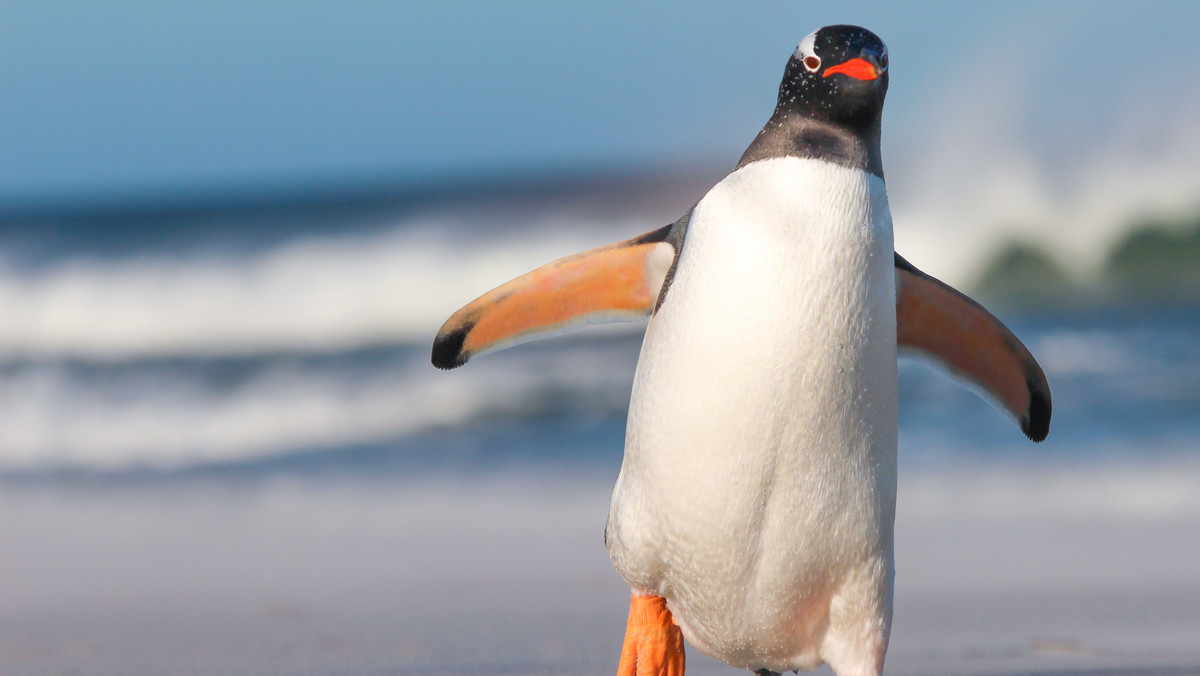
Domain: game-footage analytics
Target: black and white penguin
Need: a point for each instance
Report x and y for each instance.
(754, 510)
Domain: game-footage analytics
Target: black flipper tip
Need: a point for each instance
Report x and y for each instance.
(448, 349)
(1036, 425)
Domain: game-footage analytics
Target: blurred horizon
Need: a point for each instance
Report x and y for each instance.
(1061, 124)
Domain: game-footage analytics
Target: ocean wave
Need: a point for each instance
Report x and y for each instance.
(1120, 388)
(188, 413)
(339, 280)
(327, 292)
(174, 358)
(183, 412)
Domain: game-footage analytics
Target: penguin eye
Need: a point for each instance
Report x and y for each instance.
(883, 61)
(812, 62)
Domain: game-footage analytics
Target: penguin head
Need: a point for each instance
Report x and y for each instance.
(837, 74)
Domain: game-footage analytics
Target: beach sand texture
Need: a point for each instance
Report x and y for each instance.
(999, 572)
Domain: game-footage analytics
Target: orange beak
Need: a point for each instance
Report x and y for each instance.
(859, 69)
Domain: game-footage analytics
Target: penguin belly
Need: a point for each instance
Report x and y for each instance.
(757, 492)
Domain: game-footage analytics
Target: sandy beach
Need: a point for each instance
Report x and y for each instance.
(507, 574)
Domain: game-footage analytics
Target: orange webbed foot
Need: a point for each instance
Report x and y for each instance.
(653, 643)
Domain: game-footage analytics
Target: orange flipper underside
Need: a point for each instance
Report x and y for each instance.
(616, 282)
(945, 324)
(653, 643)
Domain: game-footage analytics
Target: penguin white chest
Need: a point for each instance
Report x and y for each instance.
(757, 492)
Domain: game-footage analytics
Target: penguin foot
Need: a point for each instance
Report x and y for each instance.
(653, 643)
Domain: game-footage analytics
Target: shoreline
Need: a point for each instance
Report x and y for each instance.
(508, 574)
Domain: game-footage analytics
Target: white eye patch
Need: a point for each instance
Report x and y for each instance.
(807, 46)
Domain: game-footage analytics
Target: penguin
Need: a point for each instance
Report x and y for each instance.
(753, 513)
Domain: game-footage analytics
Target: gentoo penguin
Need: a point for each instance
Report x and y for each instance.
(754, 510)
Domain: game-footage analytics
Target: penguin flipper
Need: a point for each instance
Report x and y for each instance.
(618, 282)
(959, 333)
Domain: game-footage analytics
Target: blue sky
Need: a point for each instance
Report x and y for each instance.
(135, 98)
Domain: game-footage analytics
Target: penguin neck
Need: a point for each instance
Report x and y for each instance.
(789, 134)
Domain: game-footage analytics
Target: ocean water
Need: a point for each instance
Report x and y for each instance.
(279, 338)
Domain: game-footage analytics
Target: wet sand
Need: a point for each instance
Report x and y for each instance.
(508, 575)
